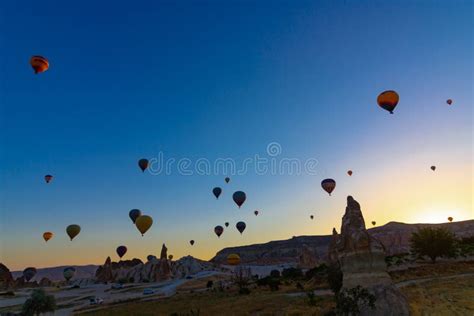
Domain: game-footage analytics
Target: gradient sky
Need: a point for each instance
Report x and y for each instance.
(223, 79)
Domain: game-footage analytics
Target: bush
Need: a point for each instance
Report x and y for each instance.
(299, 286)
(350, 301)
(319, 271)
(292, 273)
(39, 302)
(244, 291)
(275, 274)
(272, 283)
(312, 301)
(334, 275)
(209, 284)
(433, 243)
(466, 246)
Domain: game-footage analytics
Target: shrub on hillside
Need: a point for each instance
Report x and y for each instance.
(433, 243)
(351, 301)
(292, 273)
(39, 302)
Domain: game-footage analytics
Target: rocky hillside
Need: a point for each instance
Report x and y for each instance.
(56, 273)
(394, 236)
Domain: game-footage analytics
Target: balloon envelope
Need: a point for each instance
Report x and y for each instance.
(134, 214)
(373, 223)
(328, 185)
(29, 273)
(48, 178)
(449, 101)
(240, 227)
(150, 257)
(450, 219)
(349, 172)
(256, 213)
(226, 224)
(217, 192)
(218, 230)
(121, 251)
(47, 236)
(143, 223)
(39, 64)
(191, 242)
(388, 100)
(239, 198)
(311, 216)
(69, 272)
(433, 168)
(73, 230)
(227, 179)
(233, 259)
(143, 164)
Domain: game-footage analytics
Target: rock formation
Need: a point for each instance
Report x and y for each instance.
(308, 258)
(362, 261)
(6, 278)
(45, 282)
(104, 273)
(164, 267)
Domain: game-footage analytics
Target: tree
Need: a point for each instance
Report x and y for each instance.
(350, 301)
(433, 243)
(334, 275)
(39, 302)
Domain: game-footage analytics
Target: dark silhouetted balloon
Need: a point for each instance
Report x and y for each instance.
(349, 172)
(143, 164)
(48, 178)
(170, 257)
(68, 273)
(450, 219)
(449, 101)
(227, 179)
(374, 223)
(240, 227)
(388, 100)
(150, 257)
(239, 198)
(134, 214)
(29, 273)
(226, 224)
(73, 230)
(143, 223)
(39, 64)
(47, 236)
(256, 213)
(433, 168)
(218, 230)
(311, 216)
(217, 192)
(233, 259)
(191, 242)
(121, 251)
(328, 185)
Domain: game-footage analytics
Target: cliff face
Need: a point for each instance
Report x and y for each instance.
(6, 278)
(395, 238)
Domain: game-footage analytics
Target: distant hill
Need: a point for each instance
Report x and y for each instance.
(394, 236)
(56, 273)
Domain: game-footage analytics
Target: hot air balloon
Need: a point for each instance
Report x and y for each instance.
(217, 191)
(191, 242)
(226, 224)
(349, 172)
(47, 236)
(311, 216)
(143, 164)
(121, 251)
(218, 230)
(433, 168)
(388, 100)
(73, 231)
(449, 101)
(240, 227)
(227, 179)
(328, 185)
(255, 212)
(29, 273)
(143, 223)
(450, 219)
(374, 222)
(134, 214)
(233, 259)
(170, 257)
(239, 198)
(48, 178)
(150, 257)
(39, 64)
(68, 273)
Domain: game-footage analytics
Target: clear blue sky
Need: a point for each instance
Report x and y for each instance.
(220, 79)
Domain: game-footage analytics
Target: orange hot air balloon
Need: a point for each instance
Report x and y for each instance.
(450, 219)
(233, 259)
(374, 222)
(388, 100)
(48, 178)
(39, 64)
(349, 172)
(449, 101)
(47, 236)
(143, 223)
